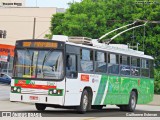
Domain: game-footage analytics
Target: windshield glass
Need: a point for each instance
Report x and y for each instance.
(39, 64)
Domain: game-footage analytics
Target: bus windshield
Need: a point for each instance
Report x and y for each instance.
(46, 64)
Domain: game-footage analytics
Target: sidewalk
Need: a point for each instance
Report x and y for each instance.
(156, 100)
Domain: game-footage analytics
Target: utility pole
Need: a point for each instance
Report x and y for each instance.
(34, 28)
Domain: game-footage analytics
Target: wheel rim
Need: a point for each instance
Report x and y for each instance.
(85, 102)
(133, 102)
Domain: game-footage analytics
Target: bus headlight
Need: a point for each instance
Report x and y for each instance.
(18, 90)
(15, 89)
(55, 92)
(50, 92)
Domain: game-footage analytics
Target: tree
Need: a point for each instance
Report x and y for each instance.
(157, 82)
(93, 18)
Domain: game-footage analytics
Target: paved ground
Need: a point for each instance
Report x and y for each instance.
(4, 91)
(109, 111)
(156, 100)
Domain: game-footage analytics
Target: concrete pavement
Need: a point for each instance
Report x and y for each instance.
(4, 92)
(156, 100)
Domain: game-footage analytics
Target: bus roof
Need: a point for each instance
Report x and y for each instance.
(112, 49)
(93, 44)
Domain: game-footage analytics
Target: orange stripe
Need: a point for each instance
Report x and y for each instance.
(45, 87)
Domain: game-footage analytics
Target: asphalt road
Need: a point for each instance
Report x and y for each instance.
(109, 111)
(4, 92)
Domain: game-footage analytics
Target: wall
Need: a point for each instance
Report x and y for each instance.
(18, 22)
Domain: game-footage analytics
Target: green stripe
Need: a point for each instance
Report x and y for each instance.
(101, 90)
(16, 81)
(28, 81)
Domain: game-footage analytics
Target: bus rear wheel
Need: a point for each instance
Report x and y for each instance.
(132, 103)
(84, 102)
(40, 107)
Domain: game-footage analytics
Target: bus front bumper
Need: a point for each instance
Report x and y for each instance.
(44, 99)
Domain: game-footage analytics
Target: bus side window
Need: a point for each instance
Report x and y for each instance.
(135, 66)
(144, 68)
(100, 62)
(86, 61)
(113, 63)
(71, 66)
(125, 65)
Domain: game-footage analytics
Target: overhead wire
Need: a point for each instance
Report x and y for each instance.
(42, 33)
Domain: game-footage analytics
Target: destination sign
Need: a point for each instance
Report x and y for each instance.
(40, 44)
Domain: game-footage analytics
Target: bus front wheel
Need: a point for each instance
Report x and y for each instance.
(40, 107)
(84, 102)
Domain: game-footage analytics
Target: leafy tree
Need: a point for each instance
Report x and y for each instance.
(157, 82)
(93, 18)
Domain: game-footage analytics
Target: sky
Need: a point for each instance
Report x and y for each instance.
(49, 3)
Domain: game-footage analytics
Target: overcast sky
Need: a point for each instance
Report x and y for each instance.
(49, 3)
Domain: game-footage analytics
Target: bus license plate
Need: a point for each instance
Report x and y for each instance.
(34, 98)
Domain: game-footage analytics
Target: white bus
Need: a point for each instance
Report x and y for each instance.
(80, 73)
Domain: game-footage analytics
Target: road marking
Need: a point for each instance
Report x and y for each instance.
(92, 118)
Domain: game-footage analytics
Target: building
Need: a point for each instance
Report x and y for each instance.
(17, 21)
(6, 58)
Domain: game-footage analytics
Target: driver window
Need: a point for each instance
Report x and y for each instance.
(71, 66)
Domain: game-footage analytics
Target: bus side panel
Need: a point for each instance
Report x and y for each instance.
(100, 88)
(108, 89)
(113, 96)
(144, 87)
(126, 86)
(75, 87)
(146, 90)
(72, 94)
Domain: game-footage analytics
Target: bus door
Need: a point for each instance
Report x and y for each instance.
(72, 82)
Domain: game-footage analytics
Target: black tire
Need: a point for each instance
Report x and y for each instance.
(132, 102)
(40, 107)
(97, 107)
(122, 107)
(131, 105)
(84, 104)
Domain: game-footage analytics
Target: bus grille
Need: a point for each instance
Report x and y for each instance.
(34, 91)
